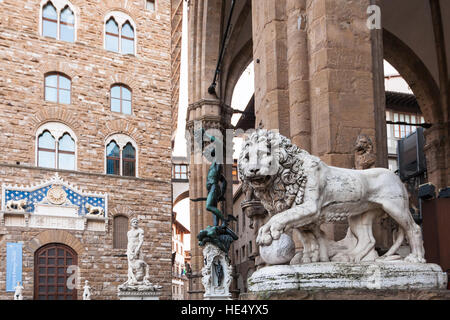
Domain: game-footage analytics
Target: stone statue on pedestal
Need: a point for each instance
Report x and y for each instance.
(216, 185)
(87, 291)
(216, 273)
(138, 269)
(300, 193)
(216, 239)
(18, 293)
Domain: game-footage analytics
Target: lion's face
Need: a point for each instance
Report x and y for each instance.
(257, 162)
(363, 143)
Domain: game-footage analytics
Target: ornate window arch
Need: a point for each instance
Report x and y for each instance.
(120, 33)
(58, 20)
(121, 155)
(56, 146)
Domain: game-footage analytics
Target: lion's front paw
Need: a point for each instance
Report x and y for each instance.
(264, 237)
(412, 258)
(276, 230)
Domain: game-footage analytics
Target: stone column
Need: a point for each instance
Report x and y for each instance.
(270, 54)
(207, 111)
(298, 71)
(341, 81)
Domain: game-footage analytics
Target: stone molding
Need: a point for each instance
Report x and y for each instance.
(121, 210)
(363, 276)
(125, 80)
(56, 114)
(126, 7)
(57, 66)
(121, 126)
(55, 236)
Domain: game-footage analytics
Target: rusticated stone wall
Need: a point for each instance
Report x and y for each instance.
(25, 57)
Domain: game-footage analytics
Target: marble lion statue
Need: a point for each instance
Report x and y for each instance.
(92, 210)
(17, 205)
(301, 192)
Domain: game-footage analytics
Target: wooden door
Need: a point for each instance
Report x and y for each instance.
(51, 272)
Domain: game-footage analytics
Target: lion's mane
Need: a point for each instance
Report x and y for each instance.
(288, 185)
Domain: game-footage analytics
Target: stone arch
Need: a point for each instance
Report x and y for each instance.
(124, 127)
(416, 74)
(238, 58)
(125, 80)
(55, 236)
(56, 114)
(126, 7)
(121, 210)
(57, 66)
(420, 80)
(181, 197)
(237, 67)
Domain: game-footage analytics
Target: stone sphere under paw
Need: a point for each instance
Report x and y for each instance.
(280, 251)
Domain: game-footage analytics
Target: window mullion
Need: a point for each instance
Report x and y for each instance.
(58, 25)
(120, 38)
(120, 162)
(121, 99)
(56, 154)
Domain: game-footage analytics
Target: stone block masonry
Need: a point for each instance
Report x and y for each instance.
(25, 58)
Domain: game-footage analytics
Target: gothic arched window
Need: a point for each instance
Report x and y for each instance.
(129, 160)
(66, 152)
(121, 156)
(56, 147)
(120, 33)
(47, 150)
(58, 20)
(127, 38)
(112, 35)
(67, 25)
(113, 158)
(49, 21)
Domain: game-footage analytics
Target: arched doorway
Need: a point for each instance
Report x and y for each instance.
(51, 272)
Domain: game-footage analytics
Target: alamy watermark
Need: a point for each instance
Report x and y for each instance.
(374, 20)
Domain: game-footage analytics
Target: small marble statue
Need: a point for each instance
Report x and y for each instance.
(219, 272)
(138, 269)
(216, 273)
(18, 294)
(16, 205)
(365, 158)
(87, 291)
(95, 211)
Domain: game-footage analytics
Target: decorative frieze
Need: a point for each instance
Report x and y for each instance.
(54, 203)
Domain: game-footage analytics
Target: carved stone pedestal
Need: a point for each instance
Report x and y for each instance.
(216, 274)
(138, 295)
(371, 278)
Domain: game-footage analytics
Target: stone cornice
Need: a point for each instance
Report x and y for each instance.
(225, 109)
(83, 173)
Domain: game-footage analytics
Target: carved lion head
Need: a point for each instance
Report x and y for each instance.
(363, 144)
(268, 158)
